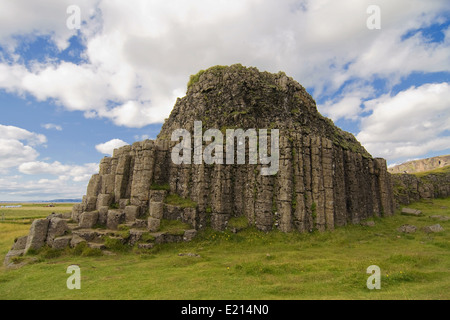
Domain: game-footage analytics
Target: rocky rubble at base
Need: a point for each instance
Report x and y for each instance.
(59, 231)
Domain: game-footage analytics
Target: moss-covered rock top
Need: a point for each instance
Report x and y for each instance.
(227, 97)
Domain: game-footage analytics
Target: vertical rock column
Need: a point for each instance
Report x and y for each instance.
(340, 203)
(386, 192)
(327, 163)
(144, 155)
(318, 190)
(284, 185)
(299, 203)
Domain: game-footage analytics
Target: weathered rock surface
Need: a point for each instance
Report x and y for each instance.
(406, 228)
(421, 165)
(57, 227)
(411, 212)
(433, 228)
(409, 188)
(38, 234)
(325, 177)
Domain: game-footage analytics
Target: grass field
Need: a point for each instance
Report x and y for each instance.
(30, 211)
(254, 265)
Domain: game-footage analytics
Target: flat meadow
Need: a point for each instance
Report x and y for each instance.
(246, 265)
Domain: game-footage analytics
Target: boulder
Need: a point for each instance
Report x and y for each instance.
(103, 215)
(440, 218)
(189, 235)
(88, 219)
(406, 228)
(411, 212)
(76, 240)
(61, 242)
(156, 210)
(20, 243)
(140, 224)
(153, 224)
(57, 227)
(38, 234)
(433, 228)
(115, 217)
(131, 213)
(104, 200)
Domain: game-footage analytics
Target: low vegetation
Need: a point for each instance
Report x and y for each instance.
(176, 200)
(250, 264)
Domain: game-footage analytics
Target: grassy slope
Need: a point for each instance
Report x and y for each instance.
(254, 265)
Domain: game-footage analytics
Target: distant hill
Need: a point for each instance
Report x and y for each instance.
(421, 165)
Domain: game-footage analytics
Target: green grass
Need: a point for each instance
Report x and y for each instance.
(253, 265)
(439, 171)
(31, 211)
(173, 227)
(176, 200)
(160, 187)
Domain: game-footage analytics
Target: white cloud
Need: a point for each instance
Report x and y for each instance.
(20, 188)
(409, 124)
(75, 172)
(50, 126)
(108, 147)
(139, 56)
(17, 146)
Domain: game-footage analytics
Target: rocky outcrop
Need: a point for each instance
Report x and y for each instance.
(410, 188)
(421, 165)
(325, 177)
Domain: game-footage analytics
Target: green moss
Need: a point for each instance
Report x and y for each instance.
(155, 186)
(176, 200)
(116, 245)
(174, 227)
(314, 210)
(113, 206)
(146, 238)
(193, 79)
(238, 222)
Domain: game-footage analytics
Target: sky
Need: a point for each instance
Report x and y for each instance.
(80, 78)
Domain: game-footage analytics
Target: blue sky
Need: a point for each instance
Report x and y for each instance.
(69, 96)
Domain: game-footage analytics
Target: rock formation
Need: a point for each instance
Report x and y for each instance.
(410, 188)
(325, 177)
(421, 165)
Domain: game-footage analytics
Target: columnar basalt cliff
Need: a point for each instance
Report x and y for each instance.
(429, 185)
(325, 178)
